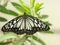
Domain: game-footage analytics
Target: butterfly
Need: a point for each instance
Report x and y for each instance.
(25, 24)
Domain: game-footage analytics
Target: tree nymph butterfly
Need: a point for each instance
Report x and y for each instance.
(25, 24)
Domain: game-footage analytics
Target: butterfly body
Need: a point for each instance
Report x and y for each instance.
(25, 24)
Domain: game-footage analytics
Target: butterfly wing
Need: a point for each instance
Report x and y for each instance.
(25, 24)
(13, 25)
(33, 25)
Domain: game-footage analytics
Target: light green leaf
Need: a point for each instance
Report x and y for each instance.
(32, 43)
(6, 36)
(21, 41)
(27, 9)
(38, 6)
(32, 3)
(18, 7)
(47, 23)
(2, 19)
(38, 40)
(7, 11)
(49, 32)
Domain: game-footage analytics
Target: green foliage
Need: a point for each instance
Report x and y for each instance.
(6, 2)
(38, 40)
(2, 19)
(32, 3)
(32, 43)
(38, 6)
(7, 11)
(43, 16)
(49, 32)
(18, 7)
(47, 23)
(4, 43)
(6, 36)
(27, 9)
(21, 41)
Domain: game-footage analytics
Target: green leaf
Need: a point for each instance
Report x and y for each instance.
(2, 19)
(2, 44)
(47, 23)
(6, 36)
(38, 6)
(38, 15)
(38, 40)
(32, 3)
(21, 41)
(18, 7)
(32, 43)
(5, 43)
(44, 16)
(7, 11)
(27, 9)
(49, 32)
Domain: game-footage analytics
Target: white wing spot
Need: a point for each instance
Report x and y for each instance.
(14, 21)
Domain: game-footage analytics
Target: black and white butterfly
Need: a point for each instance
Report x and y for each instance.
(25, 24)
